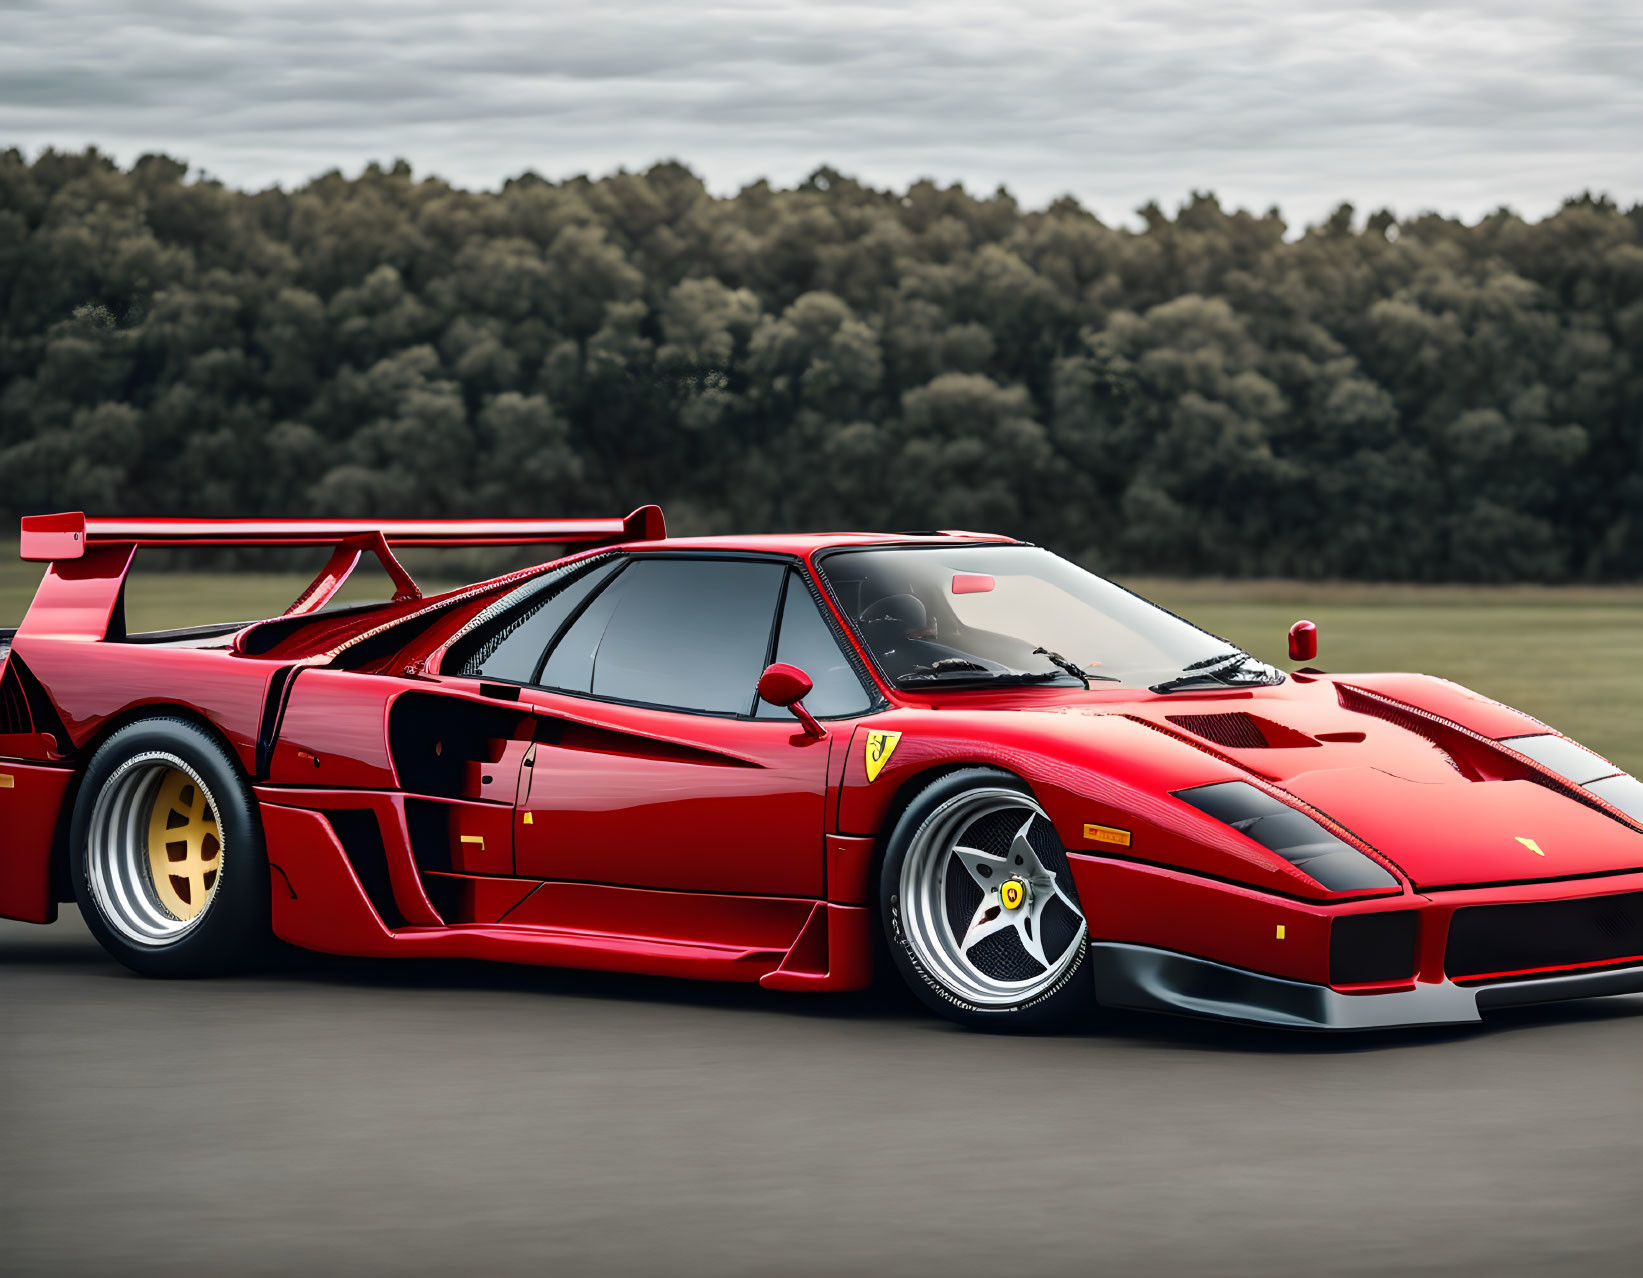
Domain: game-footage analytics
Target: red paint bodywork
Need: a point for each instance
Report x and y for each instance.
(595, 834)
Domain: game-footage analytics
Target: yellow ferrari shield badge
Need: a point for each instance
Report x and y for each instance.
(1012, 893)
(880, 746)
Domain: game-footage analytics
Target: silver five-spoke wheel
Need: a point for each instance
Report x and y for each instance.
(987, 903)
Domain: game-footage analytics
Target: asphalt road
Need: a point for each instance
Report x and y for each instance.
(335, 1116)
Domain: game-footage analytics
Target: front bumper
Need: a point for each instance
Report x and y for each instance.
(1155, 980)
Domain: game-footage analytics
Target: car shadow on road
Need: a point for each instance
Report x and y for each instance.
(889, 1002)
(69, 945)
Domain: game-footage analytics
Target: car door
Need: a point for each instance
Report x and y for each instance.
(654, 766)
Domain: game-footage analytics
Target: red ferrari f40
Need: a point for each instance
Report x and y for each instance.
(795, 760)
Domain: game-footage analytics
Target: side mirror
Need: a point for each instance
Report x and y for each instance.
(1303, 641)
(785, 685)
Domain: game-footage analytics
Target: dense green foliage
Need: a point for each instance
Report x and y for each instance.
(1420, 399)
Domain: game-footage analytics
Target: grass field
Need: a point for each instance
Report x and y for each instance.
(1572, 656)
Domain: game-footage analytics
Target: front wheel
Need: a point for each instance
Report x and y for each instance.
(168, 861)
(979, 908)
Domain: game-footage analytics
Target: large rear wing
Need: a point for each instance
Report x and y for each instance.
(67, 536)
(105, 545)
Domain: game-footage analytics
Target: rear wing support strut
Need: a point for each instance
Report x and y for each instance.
(340, 567)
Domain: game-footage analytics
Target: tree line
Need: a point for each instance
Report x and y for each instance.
(1206, 393)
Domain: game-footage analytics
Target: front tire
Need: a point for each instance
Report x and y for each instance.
(978, 906)
(167, 853)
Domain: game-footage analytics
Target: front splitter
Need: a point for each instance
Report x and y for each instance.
(1147, 979)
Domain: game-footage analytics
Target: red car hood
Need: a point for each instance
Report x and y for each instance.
(1472, 833)
(1408, 765)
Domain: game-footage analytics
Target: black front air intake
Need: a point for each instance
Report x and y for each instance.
(1369, 948)
(1292, 834)
(1491, 940)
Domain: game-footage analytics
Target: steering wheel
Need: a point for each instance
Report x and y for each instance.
(906, 611)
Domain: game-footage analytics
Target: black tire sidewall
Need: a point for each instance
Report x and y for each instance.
(1073, 993)
(233, 932)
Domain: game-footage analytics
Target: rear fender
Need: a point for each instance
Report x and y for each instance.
(95, 687)
(37, 805)
(34, 806)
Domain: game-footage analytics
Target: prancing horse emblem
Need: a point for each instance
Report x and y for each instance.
(880, 746)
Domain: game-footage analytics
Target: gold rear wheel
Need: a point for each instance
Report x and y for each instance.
(154, 849)
(184, 846)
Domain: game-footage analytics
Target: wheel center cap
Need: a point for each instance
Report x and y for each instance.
(1012, 893)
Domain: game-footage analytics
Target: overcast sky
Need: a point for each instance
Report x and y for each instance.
(1459, 107)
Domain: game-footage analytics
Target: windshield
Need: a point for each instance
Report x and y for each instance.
(990, 615)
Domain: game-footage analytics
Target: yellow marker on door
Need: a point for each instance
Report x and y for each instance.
(1531, 845)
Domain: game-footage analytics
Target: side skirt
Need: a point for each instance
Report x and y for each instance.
(319, 903)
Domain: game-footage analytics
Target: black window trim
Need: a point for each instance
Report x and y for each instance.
(571, 619)
(827, 605)
(775, 634)
(796, 565)
(476, 631)
(876, 703)
(744, 556)
(749, 556)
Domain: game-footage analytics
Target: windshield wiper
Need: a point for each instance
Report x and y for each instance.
(1216, 675)
(1073, 668)
(978, 675)
(1232, 656)
(952, 664)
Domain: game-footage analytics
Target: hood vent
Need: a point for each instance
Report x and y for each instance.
(1237, 731)
(1241, 731)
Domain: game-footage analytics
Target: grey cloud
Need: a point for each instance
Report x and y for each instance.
(1460, 106)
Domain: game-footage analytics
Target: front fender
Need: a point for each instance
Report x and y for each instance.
(1105, 781)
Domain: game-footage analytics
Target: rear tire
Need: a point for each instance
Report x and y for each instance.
(166, 853)
(978, 907)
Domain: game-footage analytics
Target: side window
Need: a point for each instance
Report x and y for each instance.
(690, 633)
(806, 641)
(570, 664)
(516, 649)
